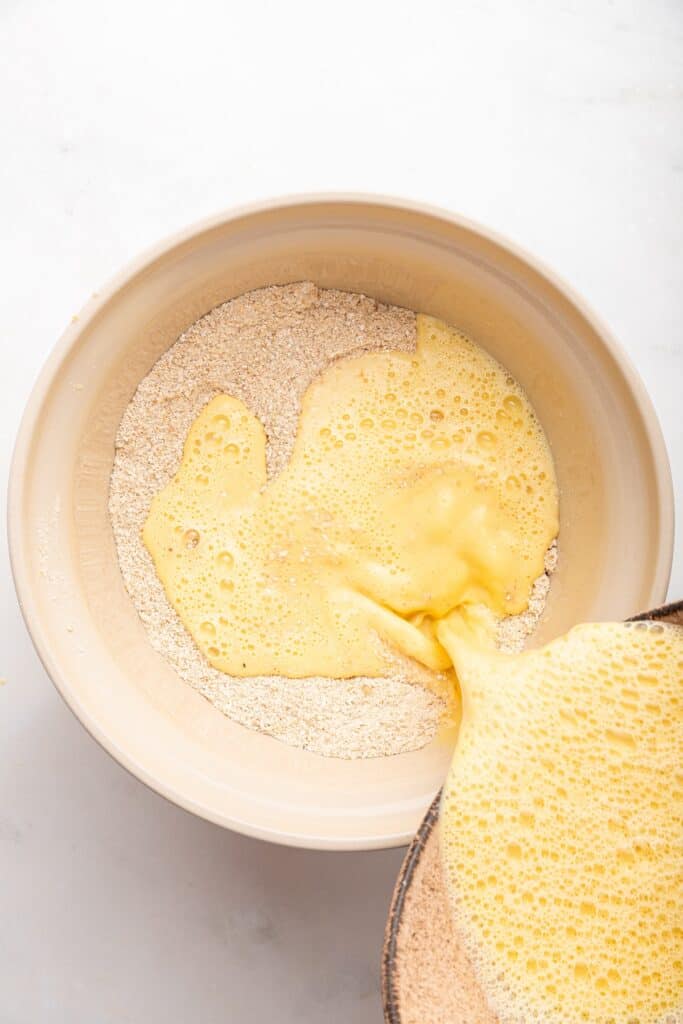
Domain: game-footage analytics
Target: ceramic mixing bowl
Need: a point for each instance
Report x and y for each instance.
(611, 465)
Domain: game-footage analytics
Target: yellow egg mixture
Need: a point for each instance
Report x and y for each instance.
(562, 825)
(415, 512)
(420, 489)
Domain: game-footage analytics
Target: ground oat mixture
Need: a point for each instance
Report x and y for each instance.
(265, 348)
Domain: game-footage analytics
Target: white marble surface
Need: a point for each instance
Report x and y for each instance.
(559, 124)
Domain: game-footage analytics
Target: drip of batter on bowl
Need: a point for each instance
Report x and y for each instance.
(420, 489)
(266, 348)
(562, 825)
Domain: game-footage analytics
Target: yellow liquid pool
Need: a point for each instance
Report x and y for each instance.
(420, 489)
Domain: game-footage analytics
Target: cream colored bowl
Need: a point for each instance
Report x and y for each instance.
(611, 463)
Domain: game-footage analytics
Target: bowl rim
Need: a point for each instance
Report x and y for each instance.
(19, 540)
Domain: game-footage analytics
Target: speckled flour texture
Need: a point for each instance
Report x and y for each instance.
(265, 348)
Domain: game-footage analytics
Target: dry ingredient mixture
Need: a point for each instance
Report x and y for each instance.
(265, 348)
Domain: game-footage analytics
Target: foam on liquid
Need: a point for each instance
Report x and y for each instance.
(421, 488)
(562, 825)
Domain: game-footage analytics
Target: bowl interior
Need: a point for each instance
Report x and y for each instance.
(608, 452)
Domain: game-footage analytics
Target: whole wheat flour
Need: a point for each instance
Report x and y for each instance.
(265, 348)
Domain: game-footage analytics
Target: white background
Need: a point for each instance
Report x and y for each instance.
(558, 124)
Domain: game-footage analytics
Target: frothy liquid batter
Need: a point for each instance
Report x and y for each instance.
(562, 825)
(421, 489)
